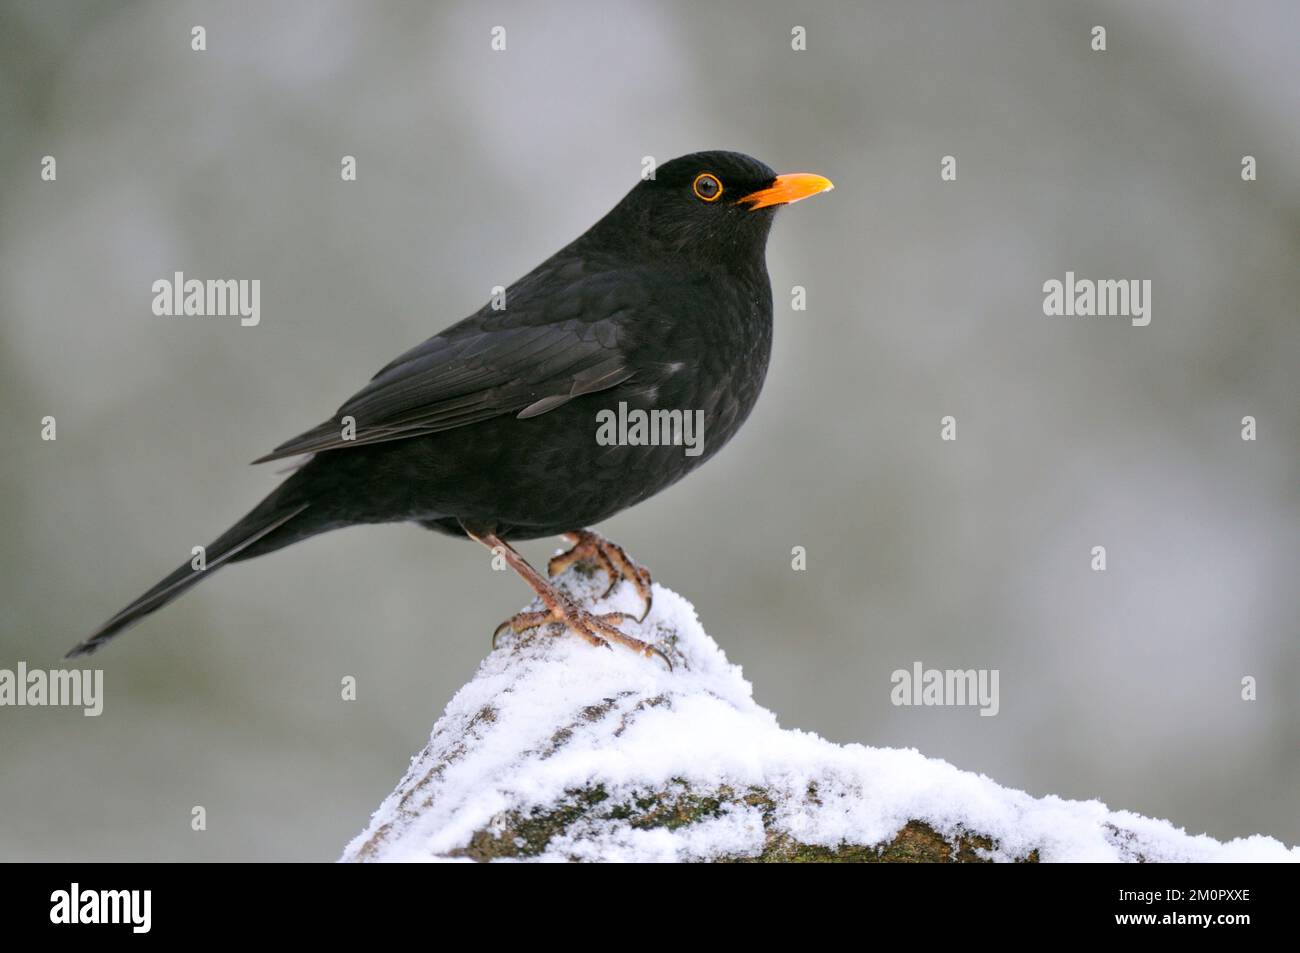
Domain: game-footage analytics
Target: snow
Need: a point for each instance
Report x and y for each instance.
(634, 727)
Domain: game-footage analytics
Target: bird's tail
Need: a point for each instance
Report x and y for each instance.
(261, 531)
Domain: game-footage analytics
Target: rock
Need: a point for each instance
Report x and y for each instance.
(560, 751)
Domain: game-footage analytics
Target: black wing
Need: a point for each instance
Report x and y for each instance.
(524, 360)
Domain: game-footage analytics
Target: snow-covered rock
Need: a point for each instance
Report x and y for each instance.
(560, 751)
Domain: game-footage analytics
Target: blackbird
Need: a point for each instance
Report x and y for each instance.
(500, 427)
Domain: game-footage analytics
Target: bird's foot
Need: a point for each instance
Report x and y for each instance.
(565, 615)
(594, 549)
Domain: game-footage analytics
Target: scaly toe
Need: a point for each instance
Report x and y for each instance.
(521, 622)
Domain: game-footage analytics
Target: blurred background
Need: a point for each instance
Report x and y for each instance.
(924, 299)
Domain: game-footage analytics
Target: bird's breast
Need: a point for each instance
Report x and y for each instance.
(710, 363)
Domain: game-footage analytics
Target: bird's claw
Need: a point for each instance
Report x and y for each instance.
(567, 616)
(592, 548)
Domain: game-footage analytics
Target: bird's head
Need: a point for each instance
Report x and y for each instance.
(710, 205)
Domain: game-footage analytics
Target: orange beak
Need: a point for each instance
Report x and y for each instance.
(788, 188)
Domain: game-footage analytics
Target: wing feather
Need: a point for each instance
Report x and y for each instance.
(490, 364)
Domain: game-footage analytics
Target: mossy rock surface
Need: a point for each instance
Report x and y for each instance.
(520, 837)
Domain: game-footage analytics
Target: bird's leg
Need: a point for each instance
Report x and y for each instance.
(591, 547)
(561, 612)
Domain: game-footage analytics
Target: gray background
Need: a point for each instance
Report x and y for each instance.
(924, 300)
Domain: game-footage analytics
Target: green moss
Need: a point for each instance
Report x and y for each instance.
(521, 836)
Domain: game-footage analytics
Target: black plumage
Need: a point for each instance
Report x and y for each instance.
(488, 429)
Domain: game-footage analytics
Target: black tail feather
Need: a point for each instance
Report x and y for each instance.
(252, 529)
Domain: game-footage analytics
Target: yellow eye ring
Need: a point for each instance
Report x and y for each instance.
(706, 187)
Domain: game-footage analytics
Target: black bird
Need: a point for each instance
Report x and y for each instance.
(489, 429)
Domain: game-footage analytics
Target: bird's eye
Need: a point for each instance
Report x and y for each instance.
(706, 187)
